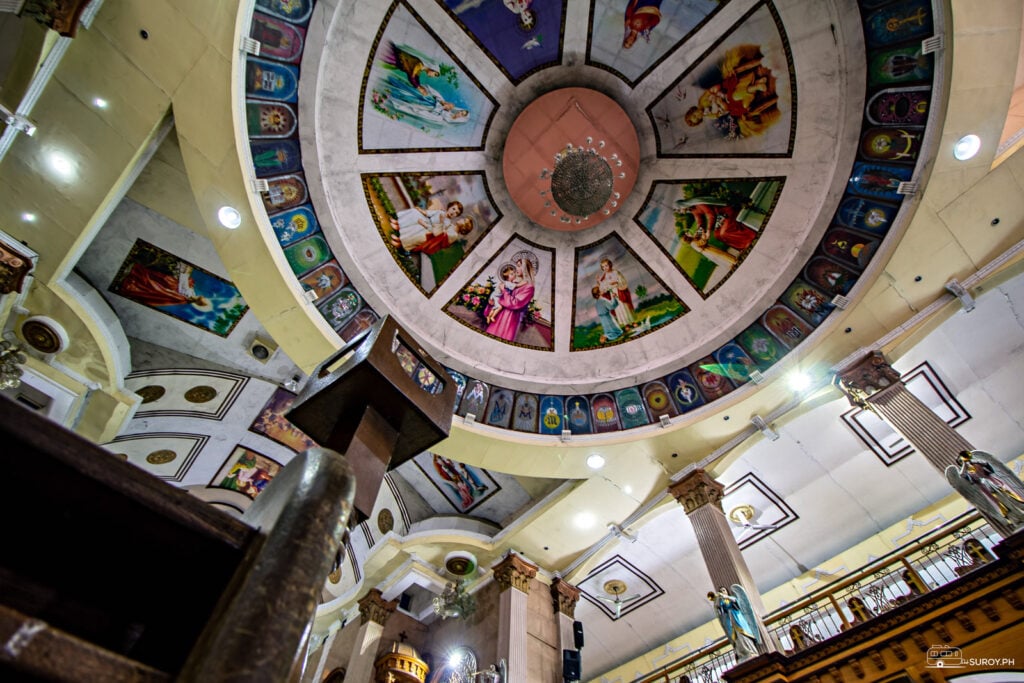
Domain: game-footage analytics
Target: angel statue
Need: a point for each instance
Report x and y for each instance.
(990, 485)
(737, 619)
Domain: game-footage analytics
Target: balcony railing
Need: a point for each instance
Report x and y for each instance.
(938, 558)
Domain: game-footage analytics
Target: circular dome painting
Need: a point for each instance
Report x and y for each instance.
(595, 214)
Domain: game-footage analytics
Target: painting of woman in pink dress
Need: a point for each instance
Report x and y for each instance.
(506, 313)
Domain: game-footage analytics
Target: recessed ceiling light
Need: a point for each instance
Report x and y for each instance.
(62, 164)
(799, 381)
(229, 217)
(595, 461)
(100, 103)
(966, 147)
(28, 217)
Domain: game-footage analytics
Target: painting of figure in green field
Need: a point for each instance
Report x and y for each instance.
(707, 227)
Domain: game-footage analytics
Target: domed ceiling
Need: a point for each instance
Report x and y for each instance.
(595, 214)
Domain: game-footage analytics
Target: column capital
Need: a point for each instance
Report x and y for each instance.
(373, 607)
(515, 572)
(564, 597)
(866, 378)
(696, 490)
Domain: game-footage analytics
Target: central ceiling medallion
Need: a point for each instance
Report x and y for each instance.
(571, 159)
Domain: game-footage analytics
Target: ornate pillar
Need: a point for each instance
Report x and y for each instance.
(513, 575)
(701, 497)
(874, 385)
(374, 611)
(564, 597)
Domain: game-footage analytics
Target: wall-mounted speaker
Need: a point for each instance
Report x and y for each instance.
(577, 634)
(571, 665)
(262, 349)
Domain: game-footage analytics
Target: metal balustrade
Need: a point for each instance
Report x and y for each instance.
(938, 558)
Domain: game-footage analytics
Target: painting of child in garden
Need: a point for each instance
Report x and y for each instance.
(163, 282)
(430, 222)
(737, 100)
(417, 95)
(707, 227)
(617, 298)
(511, 298)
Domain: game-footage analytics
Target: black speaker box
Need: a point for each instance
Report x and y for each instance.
(577, 634)
(571, 665)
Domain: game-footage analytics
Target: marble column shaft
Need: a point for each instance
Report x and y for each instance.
(373, 612)
(701, 497)
(564, 597)
(874, 385)
(513, 575)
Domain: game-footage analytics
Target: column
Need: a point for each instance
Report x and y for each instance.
(874, 385)
(701, 497)
(374, 611)
(564, 597)
(513, 575)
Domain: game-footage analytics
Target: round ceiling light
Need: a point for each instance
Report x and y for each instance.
(966, 147)
(229, 217)
(595, 461)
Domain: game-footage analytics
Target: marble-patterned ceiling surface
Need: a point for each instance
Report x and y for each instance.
(775, 142)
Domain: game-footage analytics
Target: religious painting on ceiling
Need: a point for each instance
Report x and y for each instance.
(616, 297)
(631, 37)
(296, 11)
(463, 486)
(512, 297)
(160, 280)
(429, 222)
(707, 227)
(738, 100)
(270, 119)
(271, 422)
(246, 471)
(520, 36)
(278, 39)
(416, 95)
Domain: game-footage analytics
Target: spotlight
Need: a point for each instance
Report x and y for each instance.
(966, 147)
(799, 381)
(229, 217)
(63, 165)
(100, 103)
(28, 217)
(595, 461)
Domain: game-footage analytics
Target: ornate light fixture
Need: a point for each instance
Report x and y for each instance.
(454, 601)
(11, 359)
(583, 182)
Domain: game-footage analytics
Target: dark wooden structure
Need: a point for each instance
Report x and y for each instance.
(110, 574)
(381, 400)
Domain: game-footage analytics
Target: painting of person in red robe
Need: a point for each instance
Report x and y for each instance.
(160, 280)
(715, 220)
(641, 17)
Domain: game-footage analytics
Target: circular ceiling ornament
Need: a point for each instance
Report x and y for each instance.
(460, 563)
(200, 394)
(150, 393)
(614, 587)
(45, 335)
(571, 158)
(161, 457)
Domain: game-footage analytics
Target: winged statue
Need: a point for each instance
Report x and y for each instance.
(989, 485)
(736, 615)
